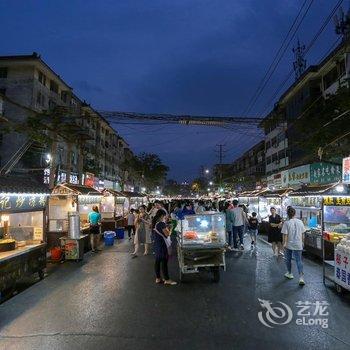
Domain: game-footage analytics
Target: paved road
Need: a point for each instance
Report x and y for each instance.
(110, 301)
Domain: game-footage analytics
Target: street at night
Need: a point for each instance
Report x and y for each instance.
(175, 175)
(110, 302)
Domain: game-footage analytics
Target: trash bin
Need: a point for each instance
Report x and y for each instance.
(120, 233)
(109, 238)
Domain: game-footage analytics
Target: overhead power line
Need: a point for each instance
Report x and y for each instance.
(308, 48)
(279, 55)
(219, 121)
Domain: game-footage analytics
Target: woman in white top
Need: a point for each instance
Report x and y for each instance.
(293, 241)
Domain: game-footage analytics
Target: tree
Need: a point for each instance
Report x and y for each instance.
(147, 167)
(172, 188)
(199, 185)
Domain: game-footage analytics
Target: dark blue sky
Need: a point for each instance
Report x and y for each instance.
(202, 57)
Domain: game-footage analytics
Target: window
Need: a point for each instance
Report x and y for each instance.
(40, 99)
(64, 96)
(52, 104)
(3, 91)
(42, 78)
(274, 157)
(3, 72)
(53, 87)
(268, 160)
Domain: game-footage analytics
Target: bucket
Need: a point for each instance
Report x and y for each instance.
(120, 233)
(109, 238)
(56, 254)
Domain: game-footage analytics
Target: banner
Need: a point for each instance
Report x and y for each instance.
(324, 173)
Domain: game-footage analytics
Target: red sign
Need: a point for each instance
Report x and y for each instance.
(89, 180)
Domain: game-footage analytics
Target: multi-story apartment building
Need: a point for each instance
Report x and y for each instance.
(248, 169)
(85, 141)
(319, 81)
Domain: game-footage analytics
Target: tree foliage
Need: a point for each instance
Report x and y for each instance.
(148, 167)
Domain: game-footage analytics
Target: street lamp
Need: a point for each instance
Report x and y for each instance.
(211, 183)
(207, 171)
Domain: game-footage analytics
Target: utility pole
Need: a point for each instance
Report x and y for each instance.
(220, 152)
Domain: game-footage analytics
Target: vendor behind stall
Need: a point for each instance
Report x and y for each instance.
(94, 218)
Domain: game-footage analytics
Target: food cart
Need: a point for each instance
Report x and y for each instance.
(307, 202)
(201, 244)
(336, 232)
(23, 203)
(67, 199)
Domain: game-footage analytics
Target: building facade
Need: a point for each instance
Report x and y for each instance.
(81, 139)
(282, 140)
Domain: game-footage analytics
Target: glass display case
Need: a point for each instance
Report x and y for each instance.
(206, 230)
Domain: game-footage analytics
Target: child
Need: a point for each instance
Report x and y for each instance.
(253, 228)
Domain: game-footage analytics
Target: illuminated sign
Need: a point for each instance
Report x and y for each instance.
(22, 202)
(336, 201)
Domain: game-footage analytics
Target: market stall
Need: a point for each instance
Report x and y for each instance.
(307, 201)
(133, 200)
(67, 199)
(250, 200)
(23, 203)
(114, 207)
(201, 244)
(269, 199)
(336, 233)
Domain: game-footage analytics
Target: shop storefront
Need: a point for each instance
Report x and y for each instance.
(336, 234)
(66, 199)
(307, 202)
(23, 206)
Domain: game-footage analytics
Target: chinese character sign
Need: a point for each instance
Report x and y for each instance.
(22, 202)
(299, 175)
(323, 173)
(341, 268)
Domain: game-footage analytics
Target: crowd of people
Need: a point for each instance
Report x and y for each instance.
(155, 223)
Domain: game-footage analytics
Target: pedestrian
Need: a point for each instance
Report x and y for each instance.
(94, 218)
(131, 223)
(160, 235)
(200, 208)
(274, 232)
(253, 223)
(229, 224)
(187, 210)
(142, 231)
(293, 242)
(240, 219)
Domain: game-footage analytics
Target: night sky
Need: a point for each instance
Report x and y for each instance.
(201, 57)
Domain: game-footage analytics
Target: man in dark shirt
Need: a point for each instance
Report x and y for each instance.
(253, 228)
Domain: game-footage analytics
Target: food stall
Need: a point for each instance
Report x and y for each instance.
(114, 207)
(201, 244)
(23, 204)
(250, 200)
(336, 232)
(307, 202)
(67, 199)
(268, 199)
(134, 199)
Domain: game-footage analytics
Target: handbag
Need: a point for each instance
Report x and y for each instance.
(167, 241)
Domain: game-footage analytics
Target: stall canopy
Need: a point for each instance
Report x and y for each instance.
(275, 193)
(132, 194)
(22, 184)
(319, 190)
(76, 189)
(114, 192)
